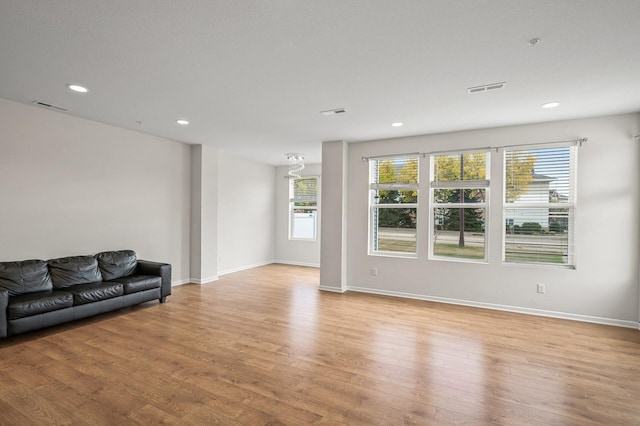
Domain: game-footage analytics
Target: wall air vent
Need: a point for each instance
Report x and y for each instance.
(50, 106)
(486, 87)
(333, 111)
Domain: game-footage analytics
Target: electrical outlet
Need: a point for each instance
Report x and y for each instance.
(374, 272)
(541, 288)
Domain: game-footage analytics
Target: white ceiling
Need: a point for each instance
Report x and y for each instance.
(252, 76)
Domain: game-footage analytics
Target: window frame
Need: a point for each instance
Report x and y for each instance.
(479, 184)
(570, 205)
(374, 207)
(293, 207)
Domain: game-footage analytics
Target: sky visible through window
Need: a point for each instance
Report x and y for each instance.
(554, 162)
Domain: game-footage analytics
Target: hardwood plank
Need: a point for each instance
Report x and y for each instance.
(265, 346)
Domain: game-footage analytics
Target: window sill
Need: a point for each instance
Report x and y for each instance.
(394, 254)
(540, 265)
(459, 260)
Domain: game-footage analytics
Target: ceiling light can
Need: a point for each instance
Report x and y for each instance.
(397, 124)
(182, 122)
(551, 104)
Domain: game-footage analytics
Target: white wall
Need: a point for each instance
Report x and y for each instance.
(204, 214)
(294, 252)
(246, 213)
(70, 186)
(333, 251)
(604, 285)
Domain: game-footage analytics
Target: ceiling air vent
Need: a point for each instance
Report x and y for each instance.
(486, 87)
(333, 111)
(50, 106)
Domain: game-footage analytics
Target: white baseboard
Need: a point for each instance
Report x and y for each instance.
(289, 262)
(497, 307)
(204, 280)
(244, 268)
(332, 289)
(193, 281)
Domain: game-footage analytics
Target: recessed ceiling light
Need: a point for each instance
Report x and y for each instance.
(397, 124)
(77, 88)
(182, 122)
(551, 104)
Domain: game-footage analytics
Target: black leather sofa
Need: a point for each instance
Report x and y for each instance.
(35, 293)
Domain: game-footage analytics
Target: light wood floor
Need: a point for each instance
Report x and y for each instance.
(264, 346)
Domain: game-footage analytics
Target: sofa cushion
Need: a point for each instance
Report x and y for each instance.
(27, 276)
(136, 283)
(69, 271)
(94, 292)
(40, 302)
(116, 264)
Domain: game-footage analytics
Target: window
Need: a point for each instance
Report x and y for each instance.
(303, 208)
(459, 200)
(539, 205)
(393, 201)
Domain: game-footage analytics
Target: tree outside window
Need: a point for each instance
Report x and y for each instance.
(459, 192)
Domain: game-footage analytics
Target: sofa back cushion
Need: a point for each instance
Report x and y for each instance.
(68, 271)
(117, 264)
(27, 276)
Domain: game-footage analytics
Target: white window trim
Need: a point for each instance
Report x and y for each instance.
(373, 206)
(466, 184)
(571, 204)
(292, 202)
(373, 252)
(571, 240)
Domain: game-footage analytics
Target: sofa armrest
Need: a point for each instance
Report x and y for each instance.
(4, 302)
(162, 270)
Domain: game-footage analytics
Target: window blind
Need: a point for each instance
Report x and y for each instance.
(305, 189)
(539, 205)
